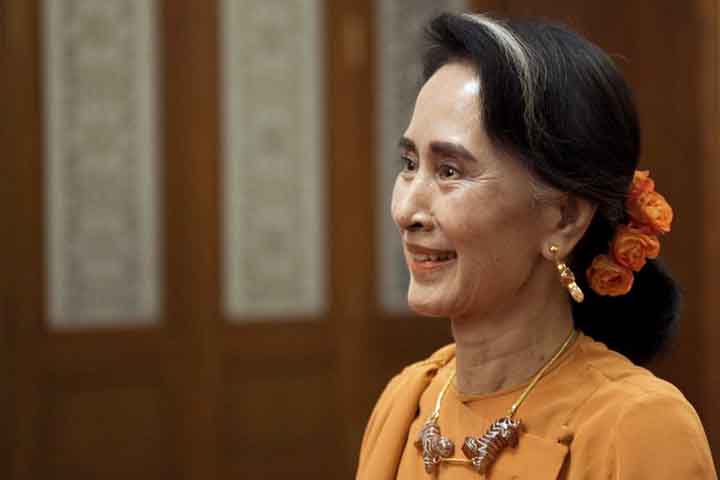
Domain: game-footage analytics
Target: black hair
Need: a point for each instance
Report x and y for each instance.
(559, 104)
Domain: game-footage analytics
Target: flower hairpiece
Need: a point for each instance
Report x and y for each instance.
(633, 243)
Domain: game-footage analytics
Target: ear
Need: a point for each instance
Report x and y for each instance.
(575, 215)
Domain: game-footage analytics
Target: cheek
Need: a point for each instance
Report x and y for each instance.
(494, 236)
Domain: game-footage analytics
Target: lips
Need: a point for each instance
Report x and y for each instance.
(425, 259)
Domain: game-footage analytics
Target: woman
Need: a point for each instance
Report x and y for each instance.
(525, 223)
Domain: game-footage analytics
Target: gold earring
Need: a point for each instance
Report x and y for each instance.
(567, 278)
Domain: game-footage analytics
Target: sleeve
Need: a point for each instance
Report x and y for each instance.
(659, 436)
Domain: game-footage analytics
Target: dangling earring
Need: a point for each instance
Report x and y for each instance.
(566, 277)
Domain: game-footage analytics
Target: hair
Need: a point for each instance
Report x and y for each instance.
(558, 103)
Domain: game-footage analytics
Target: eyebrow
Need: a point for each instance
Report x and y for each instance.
(439, 148)
(406, 144)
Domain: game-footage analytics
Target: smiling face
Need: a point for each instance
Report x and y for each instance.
(471, 231)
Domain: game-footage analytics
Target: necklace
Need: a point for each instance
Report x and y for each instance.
(481, 452)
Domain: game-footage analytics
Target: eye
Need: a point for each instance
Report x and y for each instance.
(448, 171)
(408, 164)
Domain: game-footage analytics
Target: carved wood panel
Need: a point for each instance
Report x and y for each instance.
(102, 200)
(274, 203)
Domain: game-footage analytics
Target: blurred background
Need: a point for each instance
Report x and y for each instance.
(200, 277)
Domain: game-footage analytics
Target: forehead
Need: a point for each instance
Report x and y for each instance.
(448, 105)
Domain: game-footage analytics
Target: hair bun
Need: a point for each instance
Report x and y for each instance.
(649, 314)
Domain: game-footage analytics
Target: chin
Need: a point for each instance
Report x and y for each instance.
(427, 307)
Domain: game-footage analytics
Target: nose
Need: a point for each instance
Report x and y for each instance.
(411, 205)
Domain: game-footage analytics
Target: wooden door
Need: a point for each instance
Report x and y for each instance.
(91, 402)
(195, 393)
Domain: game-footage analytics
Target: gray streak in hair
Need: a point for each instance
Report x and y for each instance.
(520, 56)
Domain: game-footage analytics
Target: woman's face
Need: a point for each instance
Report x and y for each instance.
(471, 233)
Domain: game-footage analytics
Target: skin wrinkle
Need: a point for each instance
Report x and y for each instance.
(507, 309)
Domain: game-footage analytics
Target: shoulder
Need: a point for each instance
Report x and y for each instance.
(622, 390)
(657, 434)
(617, 380)
(639, 425)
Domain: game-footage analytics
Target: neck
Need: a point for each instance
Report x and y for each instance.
(505, 348)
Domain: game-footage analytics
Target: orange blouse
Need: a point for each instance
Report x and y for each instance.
(594, 415)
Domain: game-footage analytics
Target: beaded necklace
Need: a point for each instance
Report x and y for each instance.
(481, 452)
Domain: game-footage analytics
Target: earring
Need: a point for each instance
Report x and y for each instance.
(567, 278)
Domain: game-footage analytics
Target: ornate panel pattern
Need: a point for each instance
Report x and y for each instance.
(274, 158)
(102, 198)
(399, 27)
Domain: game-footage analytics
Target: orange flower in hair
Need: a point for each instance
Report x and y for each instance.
(632, 245)
(607, 277)
(651, 209)
(641, 183)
